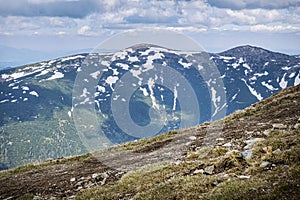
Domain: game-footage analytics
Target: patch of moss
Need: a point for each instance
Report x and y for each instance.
(182, 187)
(280, 183)
(231, 162)
(140, 181)
(26, 197)
(199, 154)
(285, 147)
(206, 152)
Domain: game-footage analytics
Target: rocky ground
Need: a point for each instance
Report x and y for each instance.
(251, 154)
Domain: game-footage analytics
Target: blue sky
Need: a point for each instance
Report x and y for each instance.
(217, 25)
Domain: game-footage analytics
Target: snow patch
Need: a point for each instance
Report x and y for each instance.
(253, 91)
(261, 74)
(151, 85)
(111, 80)
(115, 72)
(184, 64)
(292, 75)
(34, 93)
(5, 100)
(21, 74)
(283, 83)
(286, 68)
(253, 78)
(149, 63)
(85, 93)
(235, 65)
(116, 97)
(4, 76)
(268, 86)
(145, 92)
(133, 59)
(225, 57)
(123, 66)
(105, 63)
(72, 58)
(213, 96)
(101, 88)
(297, 79)
(234, 96)
(175, 97)
(95, 74)
(44, 72)
(25, 88)
(119, 55)
(56, 75)
(245, 65)
(241, 60)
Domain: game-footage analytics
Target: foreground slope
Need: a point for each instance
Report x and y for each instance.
(36, 113)
(251, 154)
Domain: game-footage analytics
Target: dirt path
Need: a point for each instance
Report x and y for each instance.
(56, 181)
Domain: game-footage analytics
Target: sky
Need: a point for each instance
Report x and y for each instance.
(217, 25)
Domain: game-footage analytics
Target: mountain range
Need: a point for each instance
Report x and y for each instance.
(38, 102)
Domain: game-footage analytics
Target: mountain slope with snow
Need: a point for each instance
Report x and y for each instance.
(36, 100)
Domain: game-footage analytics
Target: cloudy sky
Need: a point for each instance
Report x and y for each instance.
(68, 25)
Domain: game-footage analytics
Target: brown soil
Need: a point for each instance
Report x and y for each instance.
(52, 181)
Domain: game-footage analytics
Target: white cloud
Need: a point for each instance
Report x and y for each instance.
(274, 28)
(250, 4)
(84, 30)
(61, 33)
(98, 18)
(188, 29)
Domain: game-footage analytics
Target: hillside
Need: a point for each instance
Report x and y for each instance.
(251, 154)
(38, 103)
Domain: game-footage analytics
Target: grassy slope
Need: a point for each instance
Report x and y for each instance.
(232, 177)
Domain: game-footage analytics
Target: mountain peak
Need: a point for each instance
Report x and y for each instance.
(246, 49)
(143, 46)
(252, 52)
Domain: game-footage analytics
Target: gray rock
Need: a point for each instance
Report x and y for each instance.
(247, 154)
(266, 132)
(95, 175)
(228, 144)
(73, 179)
(209, 169)
(192, 137)
(79, 184)
(244, 177)
(264, 163)
(297, 126)
(277, 151)
(198, 171)
(279, 126)
(250, 143)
